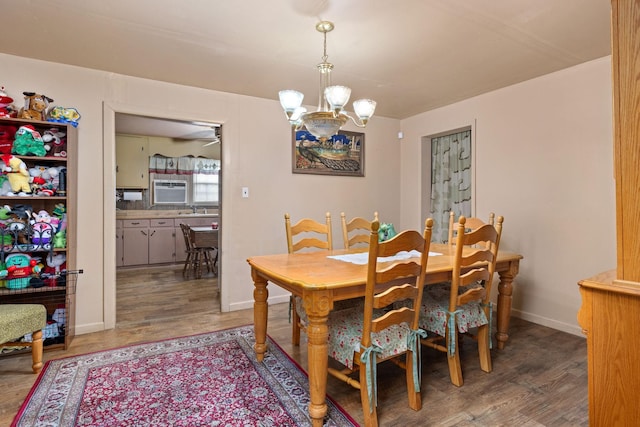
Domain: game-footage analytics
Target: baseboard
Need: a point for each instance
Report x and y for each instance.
(573, 329)
(90, 327)
(249, 304)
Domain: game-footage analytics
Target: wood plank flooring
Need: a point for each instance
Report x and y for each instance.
(539, 379)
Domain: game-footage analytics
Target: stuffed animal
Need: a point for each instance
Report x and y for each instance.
(19, 268)
(64, 115)
(35, 106)
(42, 229)
(6, 108)
(28, 142)
(17, 174)
(55, 139)
(386, 232)
(7, 135)
(55, 263)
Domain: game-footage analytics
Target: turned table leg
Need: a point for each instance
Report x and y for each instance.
(260, 311)
(505, 291)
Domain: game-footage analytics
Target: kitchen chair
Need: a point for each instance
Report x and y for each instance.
(309, 234)
(362, 337)
(195, 256)
(17, 320)
(464, 304)
(356, 231)
(471, 224)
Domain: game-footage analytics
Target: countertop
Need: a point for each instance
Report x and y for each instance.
(142, 214)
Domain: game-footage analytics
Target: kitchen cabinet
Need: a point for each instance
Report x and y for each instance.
(136, 242)
(162, 237)
(132, 161)
(119, 244)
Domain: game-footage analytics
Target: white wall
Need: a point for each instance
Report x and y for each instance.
(544, 160)
(256, 153)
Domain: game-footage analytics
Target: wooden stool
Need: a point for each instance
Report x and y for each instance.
(17, 320)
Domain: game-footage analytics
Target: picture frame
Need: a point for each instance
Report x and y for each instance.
(342, 154)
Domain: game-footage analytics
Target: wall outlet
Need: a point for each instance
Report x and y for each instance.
(245, 192)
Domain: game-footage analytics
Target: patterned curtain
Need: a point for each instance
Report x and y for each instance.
(186, 165)
(450, 180)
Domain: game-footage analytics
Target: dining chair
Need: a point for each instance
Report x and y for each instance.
(306, 234)
(472, 223)
(17, 320)
(195, 256)
(356, 231)
(459, 307)
(362, 337)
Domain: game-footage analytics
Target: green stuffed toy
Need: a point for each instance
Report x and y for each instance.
(386, 232)
(28, 142)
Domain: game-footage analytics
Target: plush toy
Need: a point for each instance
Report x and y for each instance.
(19, 268)
(386, 232)
(55, 263)
(28, 142)
(64, 115)
(56, 141)
(35, 106)
(18, 175)
(7, 135)
(42, 229)
(6, 108)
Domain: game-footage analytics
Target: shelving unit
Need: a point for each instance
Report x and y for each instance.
(54, 290)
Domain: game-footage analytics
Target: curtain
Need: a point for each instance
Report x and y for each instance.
(450, 180)
(186, 165)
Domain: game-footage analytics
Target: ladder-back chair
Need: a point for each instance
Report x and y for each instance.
(356, 231)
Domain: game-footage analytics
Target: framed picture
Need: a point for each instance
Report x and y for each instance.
(343, 154)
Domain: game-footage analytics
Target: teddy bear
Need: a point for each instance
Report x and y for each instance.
(17, 174)
(35, 106)
(28, 141)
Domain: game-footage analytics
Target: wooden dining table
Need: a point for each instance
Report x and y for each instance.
(204, 237)
(321, 281)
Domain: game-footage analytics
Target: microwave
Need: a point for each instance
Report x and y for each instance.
(170, 192)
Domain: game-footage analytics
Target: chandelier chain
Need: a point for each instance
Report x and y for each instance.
(325, 56)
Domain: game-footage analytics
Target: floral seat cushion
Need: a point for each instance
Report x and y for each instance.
(435, 305)
(345, 335)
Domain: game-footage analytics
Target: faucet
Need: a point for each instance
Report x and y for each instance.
(194, 209)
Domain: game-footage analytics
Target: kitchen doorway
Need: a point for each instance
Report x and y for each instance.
(158, 289)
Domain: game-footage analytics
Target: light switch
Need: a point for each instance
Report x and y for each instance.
(245, 192)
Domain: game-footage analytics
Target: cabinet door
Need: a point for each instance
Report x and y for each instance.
(136, 246)
(181, 246)
(162, 246)
(132, 161)
(119, 244)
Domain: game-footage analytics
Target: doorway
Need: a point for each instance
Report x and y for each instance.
(160, 291)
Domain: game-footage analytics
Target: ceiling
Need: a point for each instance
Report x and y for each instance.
(410, 56)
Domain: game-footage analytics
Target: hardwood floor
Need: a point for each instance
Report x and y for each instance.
(539, 379)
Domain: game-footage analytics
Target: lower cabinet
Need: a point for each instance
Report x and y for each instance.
(153, 241)
(162, 238)
(135, 242)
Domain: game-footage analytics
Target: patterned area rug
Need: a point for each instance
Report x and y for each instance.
(203, 380)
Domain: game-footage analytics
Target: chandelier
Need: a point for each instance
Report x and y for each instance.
(329, 117)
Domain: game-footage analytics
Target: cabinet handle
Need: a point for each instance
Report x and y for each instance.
(144, 233)
(152, 233)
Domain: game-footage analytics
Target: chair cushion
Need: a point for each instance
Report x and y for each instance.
(435, 304)
(345, 335)
(17, 320)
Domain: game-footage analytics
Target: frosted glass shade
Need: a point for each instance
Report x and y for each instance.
(364, 108)
(290, 100)
(337, 96)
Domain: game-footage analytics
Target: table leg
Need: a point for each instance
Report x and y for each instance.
(317, 305)
(260, 311)
(505, 290)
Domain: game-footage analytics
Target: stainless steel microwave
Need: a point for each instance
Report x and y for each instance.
(170, 192)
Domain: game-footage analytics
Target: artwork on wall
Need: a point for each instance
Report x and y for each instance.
(342, 154)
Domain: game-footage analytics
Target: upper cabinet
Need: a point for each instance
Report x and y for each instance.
(132, 161)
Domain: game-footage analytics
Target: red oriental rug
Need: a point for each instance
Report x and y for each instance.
(202, 380)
